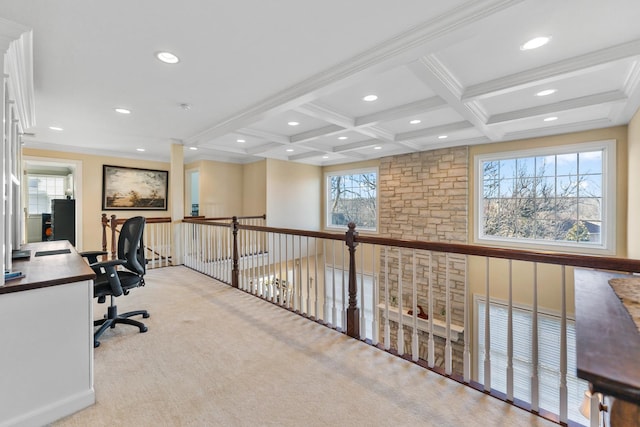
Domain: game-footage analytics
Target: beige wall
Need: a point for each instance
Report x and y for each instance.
(254, 191)
(293, 195)
(91, 197)
(221, 187)
(633, 210)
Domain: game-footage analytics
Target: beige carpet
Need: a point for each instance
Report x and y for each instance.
(215, 356)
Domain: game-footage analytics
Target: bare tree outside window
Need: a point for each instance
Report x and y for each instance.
(546, 198)
(353, 198)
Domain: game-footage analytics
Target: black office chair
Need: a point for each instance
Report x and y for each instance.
(112, 282)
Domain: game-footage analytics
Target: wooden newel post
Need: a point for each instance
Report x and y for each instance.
(353, 312)
(114, 224)
(104, 222)
(235, 272)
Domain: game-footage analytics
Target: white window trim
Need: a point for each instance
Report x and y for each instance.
(608, 237)
(327, 195)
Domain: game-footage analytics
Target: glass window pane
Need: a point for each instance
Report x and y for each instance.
(353, 198)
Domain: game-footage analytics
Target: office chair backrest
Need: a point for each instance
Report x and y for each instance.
(130, 245)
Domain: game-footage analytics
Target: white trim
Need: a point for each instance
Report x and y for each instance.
(327, 195)
(607, 245)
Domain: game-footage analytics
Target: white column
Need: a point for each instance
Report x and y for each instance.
(176, 194)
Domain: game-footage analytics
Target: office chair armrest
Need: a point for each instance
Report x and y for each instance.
(92, 256)
(111, 274)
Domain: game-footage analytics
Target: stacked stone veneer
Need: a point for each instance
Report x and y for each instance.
(424, 196)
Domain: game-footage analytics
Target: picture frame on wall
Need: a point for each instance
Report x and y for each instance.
(127, 188)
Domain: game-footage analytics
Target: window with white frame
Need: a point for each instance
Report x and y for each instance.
(548, 197)
(548, 356)
(352, 196)
(43, 189)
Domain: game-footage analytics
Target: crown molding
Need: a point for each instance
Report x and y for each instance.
(576, 65)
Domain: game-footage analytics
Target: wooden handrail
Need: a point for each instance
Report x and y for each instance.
(573, 260)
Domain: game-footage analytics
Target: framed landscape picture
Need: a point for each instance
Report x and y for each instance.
(125, 188)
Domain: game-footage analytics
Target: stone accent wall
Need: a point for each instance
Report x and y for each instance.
(424, 196)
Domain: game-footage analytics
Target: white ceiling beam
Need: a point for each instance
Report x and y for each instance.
(355, 145)
(306, 155)
(267, 136)
(326, 114)
(406, 110)
(436, 76)
(262, 148)
(556, 130)
(435, 130)
(315, 133)
(569, 104)
(546, 73)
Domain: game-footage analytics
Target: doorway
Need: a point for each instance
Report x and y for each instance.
(45, 180)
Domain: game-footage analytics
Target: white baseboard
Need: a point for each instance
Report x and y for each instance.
(54, 411)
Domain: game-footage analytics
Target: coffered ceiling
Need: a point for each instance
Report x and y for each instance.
(445, 73)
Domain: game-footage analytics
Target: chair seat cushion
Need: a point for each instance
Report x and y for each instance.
(102, 287)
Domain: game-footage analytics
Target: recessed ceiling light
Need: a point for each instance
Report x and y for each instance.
(240, 140)
(123, 111)
(58, 128)
(443, 137)
(167, 57)
(415, 121)
(550, 119)
(343, 137)
(140, 149)
(289, 150)
(370, 98)
(325, 157)
(193, 148)
(293, 123)
(535, 43)
(377, 147)
(546, 92)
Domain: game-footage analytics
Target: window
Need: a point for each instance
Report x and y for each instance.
(548, 357)
(352, 197)
(560, 196)
(42, 189)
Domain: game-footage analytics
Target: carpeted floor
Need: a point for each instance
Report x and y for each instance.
(216, 356)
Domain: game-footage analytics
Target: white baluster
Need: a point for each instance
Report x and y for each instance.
(487, 332)
(334, 309)
(447, 347)
(431, 346)
(400, 343)
(363, 324)
(563, 350)
(375, 322)
(510, 337)
(466, 361)
(534, 343)
(414, 336)
(387, 328)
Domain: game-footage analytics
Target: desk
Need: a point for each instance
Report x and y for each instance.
(46, 338)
